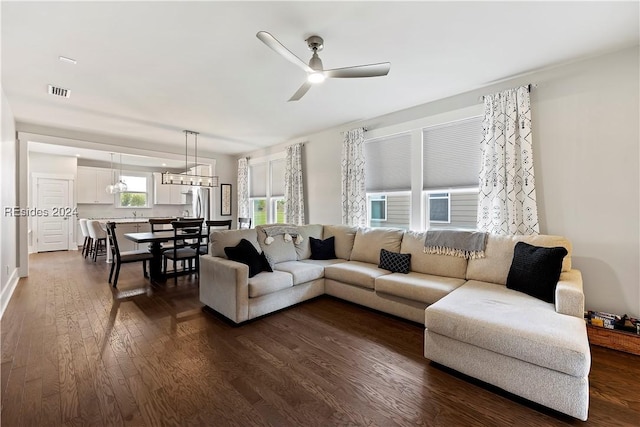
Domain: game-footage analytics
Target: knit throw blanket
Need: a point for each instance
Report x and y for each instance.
(287, 231)
(463, 244)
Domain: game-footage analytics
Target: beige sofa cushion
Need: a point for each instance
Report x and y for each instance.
(439, 265)
(323, 262)
(303, 250)
(356, 273)
(266, 283)
(344, 236)
(494, 267)
(302, 272)
(417, 286)
(277, 251)
(369, 241)
(514, 324)
(220, 239)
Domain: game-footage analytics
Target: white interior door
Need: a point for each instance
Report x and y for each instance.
(53, 222)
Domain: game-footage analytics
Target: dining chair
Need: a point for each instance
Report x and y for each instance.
(120, 258)
(213, 225)
(159, 224)
(244, 223)
(187, 235)
(86, 244)
(99, 239)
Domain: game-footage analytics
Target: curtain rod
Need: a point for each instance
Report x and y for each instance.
(529, 87)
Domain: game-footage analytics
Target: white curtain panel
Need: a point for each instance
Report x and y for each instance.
(507, 199)
(293, 191)
(243, 188)
(354, 197)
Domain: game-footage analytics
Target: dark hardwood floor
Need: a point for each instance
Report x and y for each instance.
(76, 353)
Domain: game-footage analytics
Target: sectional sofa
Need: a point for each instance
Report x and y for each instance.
(473, 322)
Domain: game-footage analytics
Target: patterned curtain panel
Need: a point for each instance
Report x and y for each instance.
(354, 197)
(507, 199)
(293, 192)
(243, 188)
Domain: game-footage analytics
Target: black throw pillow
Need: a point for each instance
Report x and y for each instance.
(395, 262)
(246, 253)
(536, 270)
(322, 249)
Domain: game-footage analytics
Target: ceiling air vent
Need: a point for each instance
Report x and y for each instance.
(58, 91)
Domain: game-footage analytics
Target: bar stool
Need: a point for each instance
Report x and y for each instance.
(87, 239)
(99, 236)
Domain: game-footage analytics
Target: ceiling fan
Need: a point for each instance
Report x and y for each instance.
(315, 72)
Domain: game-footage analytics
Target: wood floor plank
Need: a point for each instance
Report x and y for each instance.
(76, 352)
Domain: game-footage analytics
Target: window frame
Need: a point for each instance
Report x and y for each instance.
(376, 197)
(417, 207)
(435, 195)
(270, 199)
(148, 193)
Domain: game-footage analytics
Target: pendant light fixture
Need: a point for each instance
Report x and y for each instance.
(111, 188)
(190, 177)
(121, 186)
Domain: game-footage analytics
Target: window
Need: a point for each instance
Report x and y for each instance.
(450, 167)
(454, 209)
(388, 181)
(277, 206)
(137, 192)
(439, 207)
(259, 211)
(377, 208)
(266, 190)
(451, 154)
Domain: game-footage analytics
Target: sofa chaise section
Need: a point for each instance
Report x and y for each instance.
(529, 347)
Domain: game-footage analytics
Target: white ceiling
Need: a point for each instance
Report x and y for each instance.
(147, 70)
(105, 156)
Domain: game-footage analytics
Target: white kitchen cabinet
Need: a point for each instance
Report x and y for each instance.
(164, 194)
(92, 184)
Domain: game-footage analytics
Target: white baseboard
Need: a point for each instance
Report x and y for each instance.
(8, 291)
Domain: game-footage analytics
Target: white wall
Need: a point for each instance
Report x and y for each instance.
(586, 138)
(8, 224)
(52, 164)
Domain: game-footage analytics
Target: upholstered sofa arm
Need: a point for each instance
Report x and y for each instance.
(569, 294)
(224, 286)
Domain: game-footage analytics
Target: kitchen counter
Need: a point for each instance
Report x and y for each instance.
(122, 220)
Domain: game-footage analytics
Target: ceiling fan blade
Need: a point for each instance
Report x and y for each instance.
(274, 44)
(371, 70)
(300, 92)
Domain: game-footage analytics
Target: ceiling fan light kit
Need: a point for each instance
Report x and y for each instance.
(315, 70)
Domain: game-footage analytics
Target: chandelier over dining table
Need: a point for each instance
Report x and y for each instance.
(190, 177)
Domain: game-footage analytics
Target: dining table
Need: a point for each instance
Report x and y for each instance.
(155, 239)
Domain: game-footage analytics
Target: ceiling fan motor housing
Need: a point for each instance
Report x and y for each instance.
(315, 43)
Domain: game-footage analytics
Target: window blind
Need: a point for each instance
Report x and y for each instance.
(388, 164)
(451, 154)
(257, 180)
(277, 177)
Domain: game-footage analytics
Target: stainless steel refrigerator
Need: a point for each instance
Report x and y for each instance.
(200, 205)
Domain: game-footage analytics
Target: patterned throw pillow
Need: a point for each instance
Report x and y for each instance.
(535, 270)
(395, 262)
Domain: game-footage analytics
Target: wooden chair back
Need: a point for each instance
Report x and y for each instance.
(244, 223)
(113, 241)
(159, 224)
